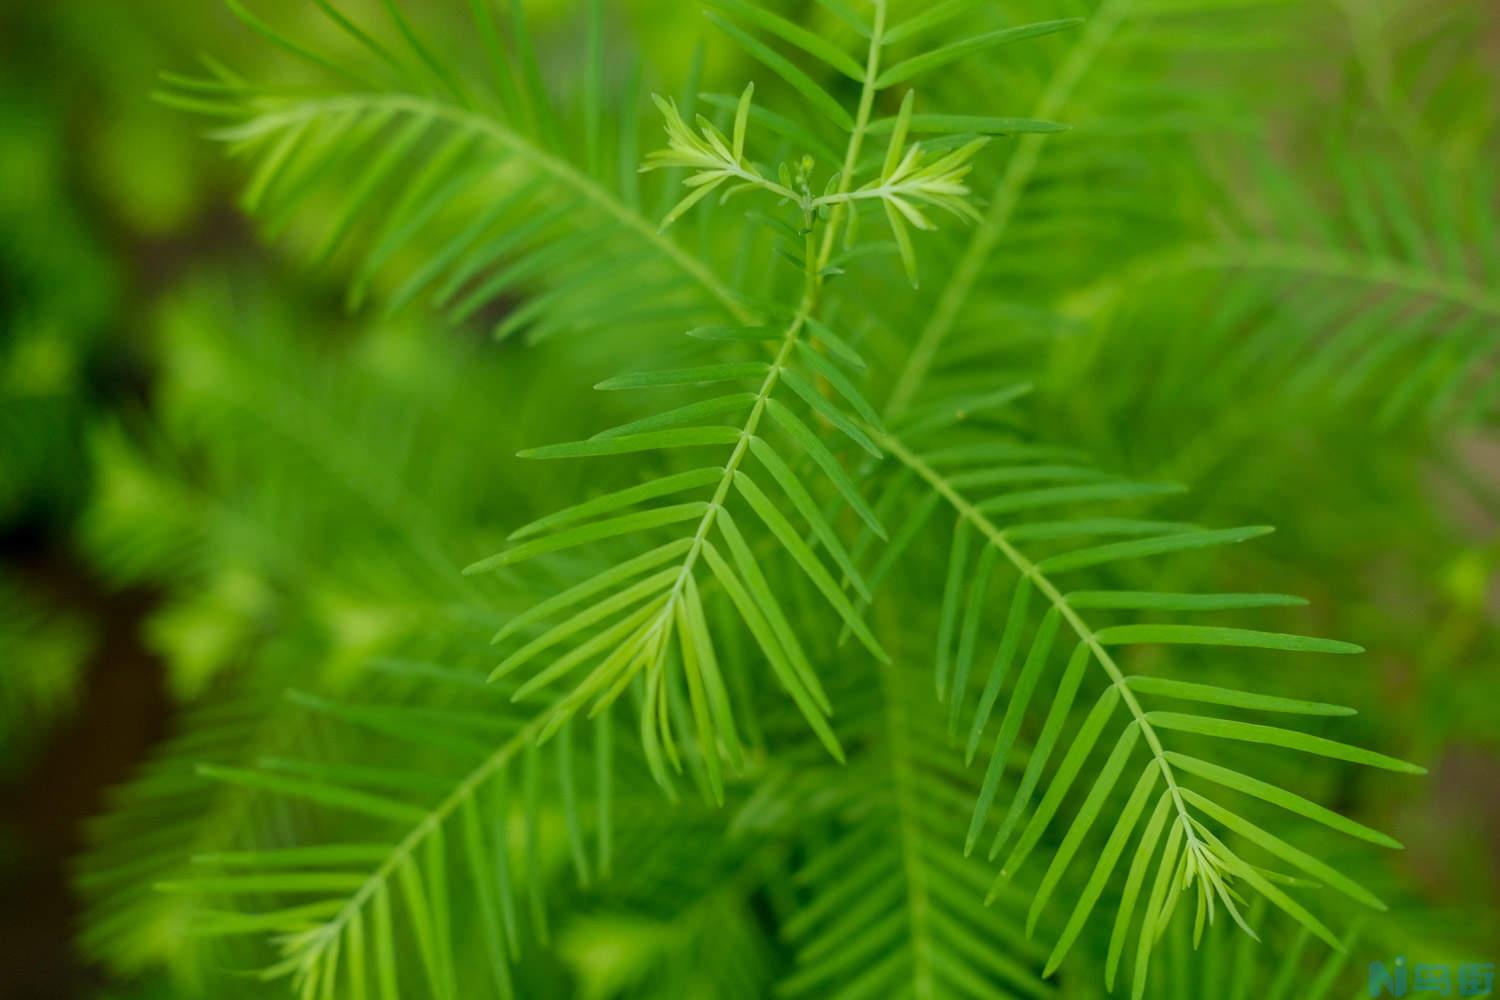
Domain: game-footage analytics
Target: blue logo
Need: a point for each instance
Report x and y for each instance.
(1431, 979)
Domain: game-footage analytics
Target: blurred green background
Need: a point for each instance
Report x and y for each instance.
(125, 267)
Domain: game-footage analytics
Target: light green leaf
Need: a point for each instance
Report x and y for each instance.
(957, 50)
(808, 560)
(823, 406)
(597, 584)
(814, 45)
(1079, 749)
(1250, 732)
(824, 459)
(680, 437)
(626, 524)
(764, 638)
(1010, 726)
(1189, 691)
(783, 67)
(808, 508)
(702, 375)
(1104, 867)
(840, 383)
(837, 346)
(1140, 547)
(627, 497)
(1279, 848)
(1145, 850)
(1057, 496)
(689, 414)
(1148, 600)
(1206, 635)
(967, 124)
(1280, 797)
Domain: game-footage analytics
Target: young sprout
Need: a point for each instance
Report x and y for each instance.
(713, 158)
(907, 183)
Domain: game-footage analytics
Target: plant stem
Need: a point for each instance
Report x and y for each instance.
(856, 137)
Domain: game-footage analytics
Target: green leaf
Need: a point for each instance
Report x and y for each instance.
(903, 242)
(1254, 877)
(698, 700)
(688, 414)
(968, 640)
(823, 406)
(594, 613)
(768, 644)
(1010, 726)
(741, 119)
(627, 524)
(1250, 732)
(952, 603)
(1279, 848)
(736, 334)
(841, 384)
(1032, 499)
(808, 560)
(1207, 635)
(780, 125)
(598, 584)
(814, 45)
(957, 50)
(702, 375)
(808, 508)
(1041, 751)
(1279, 797)
(1079, 749)
(696, 631)
(1103, 868)
(1103, 526)
(682, 437)
(1165, 873)
(837, 346)
(824, 459)
(330, 796)
(1189, 691)
(782, 67)
(1157, 545)
(680, 209)
(1144, 851)
(627, 497)
(487, 889)
(966, 125)
(1146, 600)
(760, 590)
(1005, 654)
(897, 147)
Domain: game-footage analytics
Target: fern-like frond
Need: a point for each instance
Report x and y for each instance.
(1391, 283)
(284, 555)
(458, 807)
(888, 905)
(462, 191)
(151, 828)
(655, 628)
(1108, 200)
(1003, 500)
(620, 623)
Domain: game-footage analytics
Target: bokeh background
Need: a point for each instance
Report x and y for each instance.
(128, 581)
